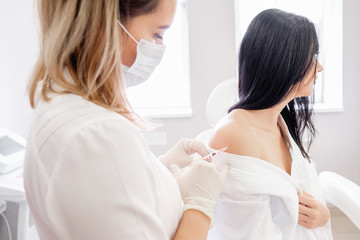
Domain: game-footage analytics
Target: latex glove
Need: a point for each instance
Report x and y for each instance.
(200, 185)
(181, 153)
(312, 213)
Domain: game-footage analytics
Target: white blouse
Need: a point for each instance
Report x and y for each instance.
(260, 200)
(89, 174)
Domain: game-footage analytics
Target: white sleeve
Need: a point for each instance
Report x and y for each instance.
(103, 187)
(244, 217)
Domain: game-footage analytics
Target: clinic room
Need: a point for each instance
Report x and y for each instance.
(179, 119)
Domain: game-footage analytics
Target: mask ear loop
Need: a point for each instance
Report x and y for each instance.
(127, 32)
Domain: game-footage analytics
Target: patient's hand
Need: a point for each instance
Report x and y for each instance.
(312, 213)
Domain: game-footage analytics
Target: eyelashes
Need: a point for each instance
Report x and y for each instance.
(158, 36)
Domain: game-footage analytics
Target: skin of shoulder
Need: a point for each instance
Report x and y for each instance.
(236, 134)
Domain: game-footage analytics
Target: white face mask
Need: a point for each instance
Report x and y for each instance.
(148, 56)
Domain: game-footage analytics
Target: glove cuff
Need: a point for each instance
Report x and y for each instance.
(203, 205)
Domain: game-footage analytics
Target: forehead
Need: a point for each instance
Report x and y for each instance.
(165, 11)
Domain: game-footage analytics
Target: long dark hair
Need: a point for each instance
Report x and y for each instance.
(275, 55)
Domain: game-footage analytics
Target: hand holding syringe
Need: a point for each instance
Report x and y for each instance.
(208, 157)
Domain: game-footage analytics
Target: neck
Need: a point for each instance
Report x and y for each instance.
(267, 119)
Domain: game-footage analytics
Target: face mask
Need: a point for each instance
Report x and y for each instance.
(148, 56)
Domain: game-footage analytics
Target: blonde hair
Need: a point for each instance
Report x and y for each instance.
(82, 36)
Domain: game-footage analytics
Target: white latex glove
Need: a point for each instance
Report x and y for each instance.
(181, 153)
(200, 185)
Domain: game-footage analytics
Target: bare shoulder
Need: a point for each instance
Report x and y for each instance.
(235, 133)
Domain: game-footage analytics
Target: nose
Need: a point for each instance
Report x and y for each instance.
(159, 41)
(319, 67)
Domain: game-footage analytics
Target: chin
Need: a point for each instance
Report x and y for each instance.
(307, 93)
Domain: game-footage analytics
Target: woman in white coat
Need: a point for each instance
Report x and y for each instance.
(89, 173)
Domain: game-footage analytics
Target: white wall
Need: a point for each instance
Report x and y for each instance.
(337, 146)
(18, 49)
(212, 59)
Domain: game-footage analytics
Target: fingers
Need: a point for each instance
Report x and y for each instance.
(207, 158)
(175, 170)
(304, 219)
(307, 194)
(306, 200)
(305, 210)
(194, 146)
(312, 213)
(305, 224)
(185, 161)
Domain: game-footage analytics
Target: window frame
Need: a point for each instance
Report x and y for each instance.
(331, 51)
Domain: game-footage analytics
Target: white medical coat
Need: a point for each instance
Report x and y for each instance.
(89, 174)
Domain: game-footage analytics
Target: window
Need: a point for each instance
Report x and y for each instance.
(167, 92)
(327, 16)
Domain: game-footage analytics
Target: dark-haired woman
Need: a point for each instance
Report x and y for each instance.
(272, 191)
(89, 173)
